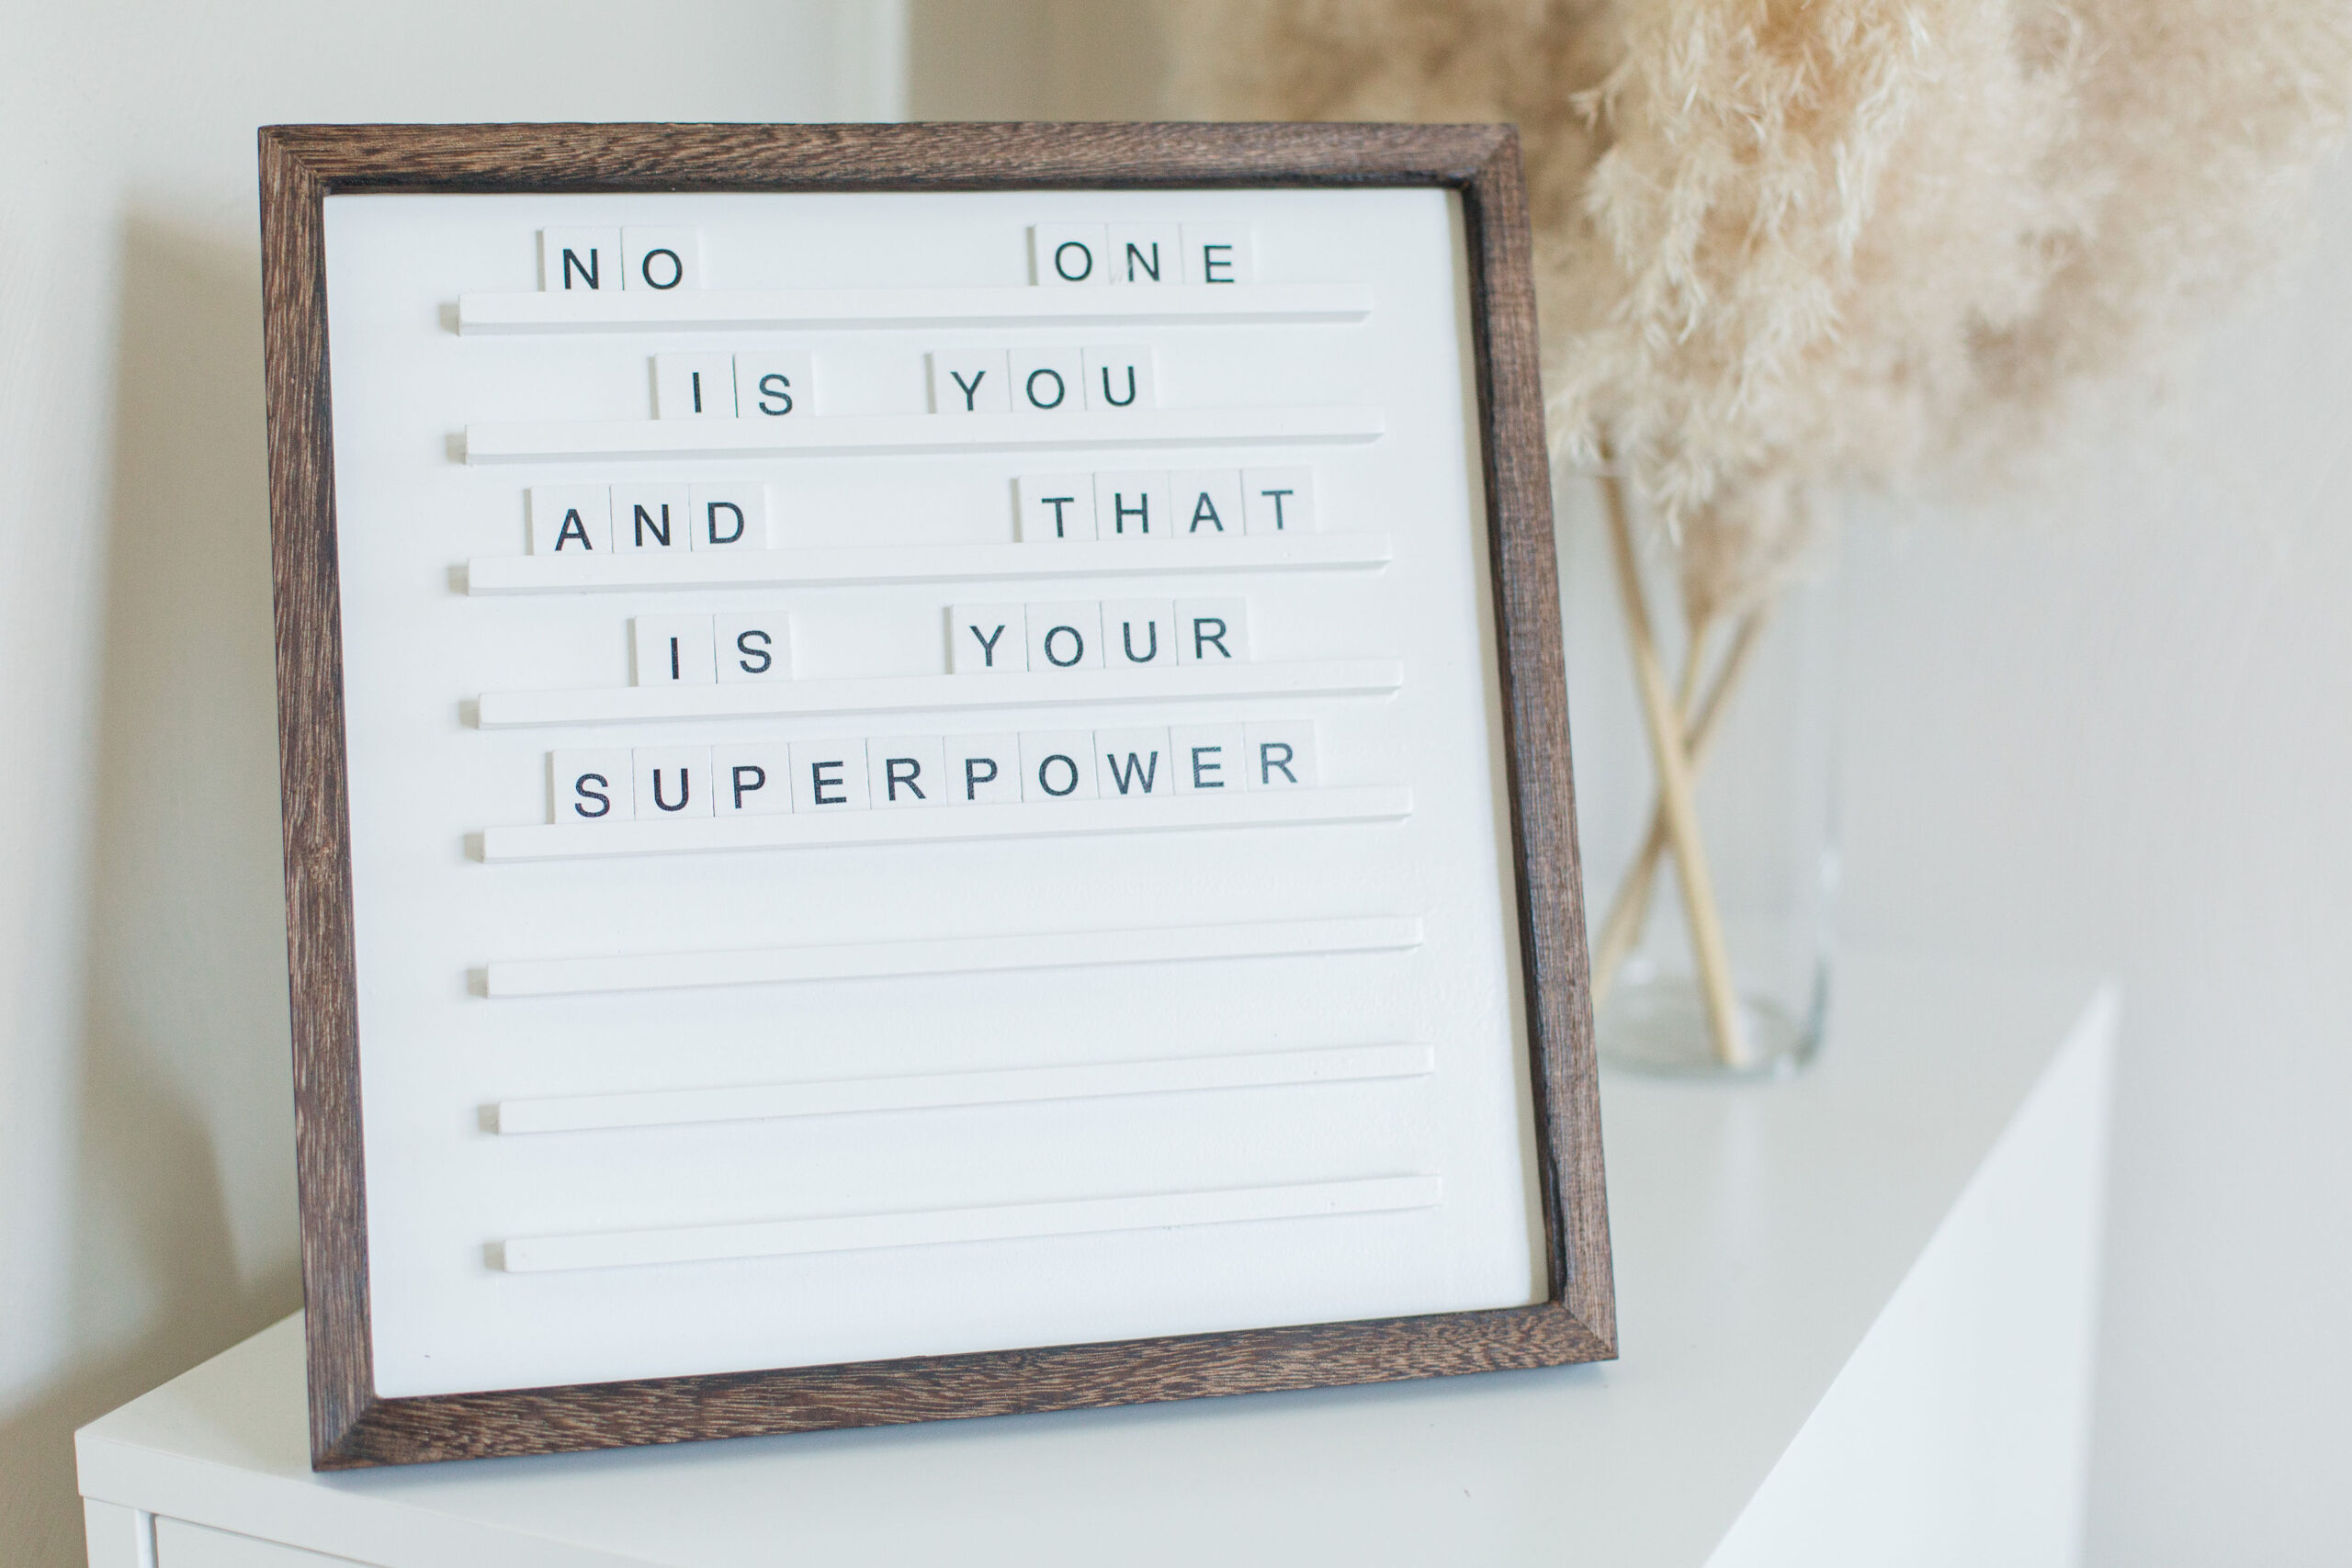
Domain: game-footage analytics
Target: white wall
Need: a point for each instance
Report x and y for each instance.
(2111, 727)
(2103, 726)
(146, 1136)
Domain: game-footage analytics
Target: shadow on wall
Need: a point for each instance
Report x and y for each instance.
(183, 1213)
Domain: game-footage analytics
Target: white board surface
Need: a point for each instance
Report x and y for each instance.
(926, 1225)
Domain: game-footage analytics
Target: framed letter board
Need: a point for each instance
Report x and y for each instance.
(925, 776)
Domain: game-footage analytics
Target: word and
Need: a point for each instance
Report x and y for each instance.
(769, 383)
(641, 518)
(1116, 633)
(698, 650)
(773, 778)
(605, 261)
(1184, 504)
(1042, 380)
(1141, 252)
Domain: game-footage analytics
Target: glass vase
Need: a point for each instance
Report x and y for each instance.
(1763, 771)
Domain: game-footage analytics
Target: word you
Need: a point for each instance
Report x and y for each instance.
(1042, 380)
(1116, 634)
(896, 772)
(1191, 503)
(605, 261)
(769, 383)
(637, 519)
(698, 650)
(1141, 252)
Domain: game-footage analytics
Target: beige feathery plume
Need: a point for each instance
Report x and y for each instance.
(1793, 243)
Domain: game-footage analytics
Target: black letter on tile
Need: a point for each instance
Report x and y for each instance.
(1060, 390)
(781, 391)
(604, 802)
(892, 778)
(974, 778)
(710, 521)
(743, 646)
(645, 525)
(759, 780)
(685, 791)
(677, 269)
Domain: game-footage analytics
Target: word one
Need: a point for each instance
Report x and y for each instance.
(697, 650)
(1116, 634)
(605, 261)
(896, 772)
(1185, 504)
(767, 384)
(635, 519)
(1141, 252)
(1042, 380)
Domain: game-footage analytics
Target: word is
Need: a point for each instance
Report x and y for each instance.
(697, 650)
(770, 383)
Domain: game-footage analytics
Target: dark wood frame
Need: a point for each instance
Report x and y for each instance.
(351, 1426)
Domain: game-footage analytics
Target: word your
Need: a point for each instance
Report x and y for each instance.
(1141, 252)
(696, 650)
(768, 384)
(1116, 634)
(636, 519)
(1187, 504)
(605, 261)
(1042, 380)
(896, 772)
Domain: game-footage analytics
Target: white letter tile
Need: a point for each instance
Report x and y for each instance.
(966, 380)
(1206, 504)
(671, 781)
(1209, 758)
(983, 769)
(1120, 377)
(1212, 631)
(1220, 253)
(753, 644)
(663, 259)
(1048, 380)
(1283, 755)
(673, 651)
(1134, 762)
(1055, 507)
(1058, 765)
(580, 261)
(1279, 501)
(571, 520)
(652, 517)
(829, 776)
(1144, 252)
(592, 785)
(694, 386)
(1132, 506)
(1066, 635)
(773, 382)
(907, 770)
(1138, 634)
(987, 639)
(727, 516)
(1061, 254)
(752, 780)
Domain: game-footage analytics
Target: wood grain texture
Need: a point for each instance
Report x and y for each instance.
(350, 1425)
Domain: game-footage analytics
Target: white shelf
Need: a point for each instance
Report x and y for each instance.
(1857, 1310)
(943, 824)
(834, 309)
(943, 1091)
(950, 955)
(841, 566)
(904, 693)
(936, 1227)
(908, 435)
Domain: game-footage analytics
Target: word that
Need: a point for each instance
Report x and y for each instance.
(1202, 503)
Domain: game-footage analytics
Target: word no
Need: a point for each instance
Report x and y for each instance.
(605, 261)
